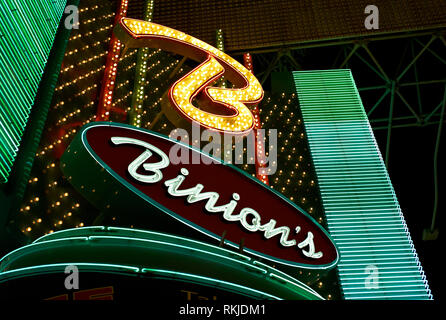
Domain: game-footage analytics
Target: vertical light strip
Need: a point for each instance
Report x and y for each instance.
(377, 256)
(259, 137)
(111, 70)
(27, 32)
(141, 75)
(220, 45)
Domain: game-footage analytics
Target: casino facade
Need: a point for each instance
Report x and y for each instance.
(212, 150)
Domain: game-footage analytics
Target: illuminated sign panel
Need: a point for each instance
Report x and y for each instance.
(378, 259)
(137, 33)
(24, 49)
(124, 169)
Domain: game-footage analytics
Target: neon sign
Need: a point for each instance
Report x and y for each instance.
(195, 194)
(137, 33)
(125, 170)
(122, 263)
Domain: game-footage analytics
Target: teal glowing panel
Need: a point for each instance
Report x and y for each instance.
(27, 31)
(377, 256)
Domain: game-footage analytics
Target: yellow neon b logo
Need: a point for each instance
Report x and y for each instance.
(137, 33)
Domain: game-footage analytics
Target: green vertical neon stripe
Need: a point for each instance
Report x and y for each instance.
(362, 211)
(27, 31)
(141, 74)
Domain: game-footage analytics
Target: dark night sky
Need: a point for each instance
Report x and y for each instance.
(411, 173)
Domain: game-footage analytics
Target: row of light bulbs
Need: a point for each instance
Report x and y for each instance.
(111, 70)
(84, 61)
(87, 34)
(89, 8)
(87, 46)
(84, 76)
(71, 114)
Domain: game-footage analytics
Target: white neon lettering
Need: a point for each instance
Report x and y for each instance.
(153, 167)
(310, 243)
(195, 194)
(271, 231)
(255, 222)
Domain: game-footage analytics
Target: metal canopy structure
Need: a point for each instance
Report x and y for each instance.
(419, 45)
(260, 26)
